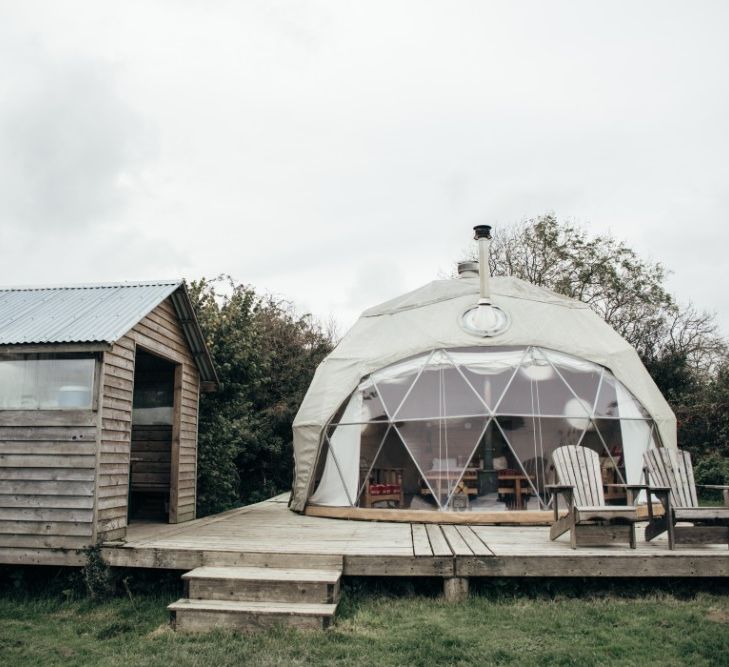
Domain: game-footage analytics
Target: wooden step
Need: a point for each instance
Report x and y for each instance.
(204, 615)
(263, 584)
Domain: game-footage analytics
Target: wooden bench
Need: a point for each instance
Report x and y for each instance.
(384, 485)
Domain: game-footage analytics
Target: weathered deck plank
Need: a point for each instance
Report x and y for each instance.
(457, 544)
(269, 535)
(438, 542)
(421, 543)
(477, 546)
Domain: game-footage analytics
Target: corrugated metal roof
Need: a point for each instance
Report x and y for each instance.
(96, 314)
(77, 313)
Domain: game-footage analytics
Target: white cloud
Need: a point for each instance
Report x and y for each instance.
(72, 148)
(338, 153)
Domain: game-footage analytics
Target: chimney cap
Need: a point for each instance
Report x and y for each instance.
(482, 231)
(468, 269)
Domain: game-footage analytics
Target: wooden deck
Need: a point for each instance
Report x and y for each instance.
(269, 534)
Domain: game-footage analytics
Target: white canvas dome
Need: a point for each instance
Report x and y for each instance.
(549, 339)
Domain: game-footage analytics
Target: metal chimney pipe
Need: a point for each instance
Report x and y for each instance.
(482, 234)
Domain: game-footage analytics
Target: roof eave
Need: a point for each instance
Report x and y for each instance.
(49, 348)
(180, 298)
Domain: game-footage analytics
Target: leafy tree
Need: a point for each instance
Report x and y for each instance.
(265, 354)
(628, 292)
(703, 414)
(681, 347)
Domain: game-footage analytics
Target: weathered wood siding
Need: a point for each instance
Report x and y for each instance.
(47, 462)
(150, 483)
(160, 333)
(151, 454)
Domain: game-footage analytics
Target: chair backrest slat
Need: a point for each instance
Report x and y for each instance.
(673, 468)
(670, 462)
(690, 482)
(580, 467)
(655, 467)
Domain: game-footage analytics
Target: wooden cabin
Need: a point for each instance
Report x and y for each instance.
(99, 391)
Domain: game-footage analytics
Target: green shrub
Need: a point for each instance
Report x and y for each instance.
(712, 469)
(265, 355)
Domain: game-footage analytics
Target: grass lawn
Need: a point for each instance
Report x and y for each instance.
(511, 623)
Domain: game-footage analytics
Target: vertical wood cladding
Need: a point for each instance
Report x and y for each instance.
(159, 333)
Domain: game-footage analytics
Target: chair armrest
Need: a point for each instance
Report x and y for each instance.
(556, 489)
(719, 487)
(664, 496)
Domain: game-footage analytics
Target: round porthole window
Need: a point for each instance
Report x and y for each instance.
(484, 320)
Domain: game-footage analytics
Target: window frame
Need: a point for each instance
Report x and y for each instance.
(35, 355)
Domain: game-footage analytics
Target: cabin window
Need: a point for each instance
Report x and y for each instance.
(46, 382)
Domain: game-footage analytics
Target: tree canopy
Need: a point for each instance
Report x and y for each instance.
(681, 347)
(627, 291)
(265, 354)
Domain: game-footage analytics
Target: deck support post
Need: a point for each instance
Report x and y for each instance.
(455, 589)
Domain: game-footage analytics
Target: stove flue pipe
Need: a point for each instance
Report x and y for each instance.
(482, 234)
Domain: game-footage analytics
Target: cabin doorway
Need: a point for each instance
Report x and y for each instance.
(153, 434)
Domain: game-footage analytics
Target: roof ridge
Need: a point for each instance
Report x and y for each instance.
(80, 286)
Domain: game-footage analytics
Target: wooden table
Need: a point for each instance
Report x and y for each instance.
(518, 479)
(443, 481)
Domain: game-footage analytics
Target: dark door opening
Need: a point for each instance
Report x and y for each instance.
(151, 452)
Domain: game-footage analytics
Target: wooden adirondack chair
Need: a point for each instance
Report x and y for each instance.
(589, 520)
(670, 477)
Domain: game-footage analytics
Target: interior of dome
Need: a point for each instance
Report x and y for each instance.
(473, 429)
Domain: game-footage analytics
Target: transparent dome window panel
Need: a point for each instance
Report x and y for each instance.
(614, 401)
(604, 438)
(477, 489)
(394, 383)
(441, 391)
(442, 448)
(655, 438)
(373, 409)
(582, 377)
(475, 429)
(373, 439)
(626, 440)
(526, 453)
(538, 389)
(488, 372)
(364, 405)
(393, 481)
(516, 488)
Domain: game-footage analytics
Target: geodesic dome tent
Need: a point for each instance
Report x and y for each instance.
(412, 410)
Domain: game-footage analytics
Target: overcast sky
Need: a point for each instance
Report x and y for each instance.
(338, 153)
